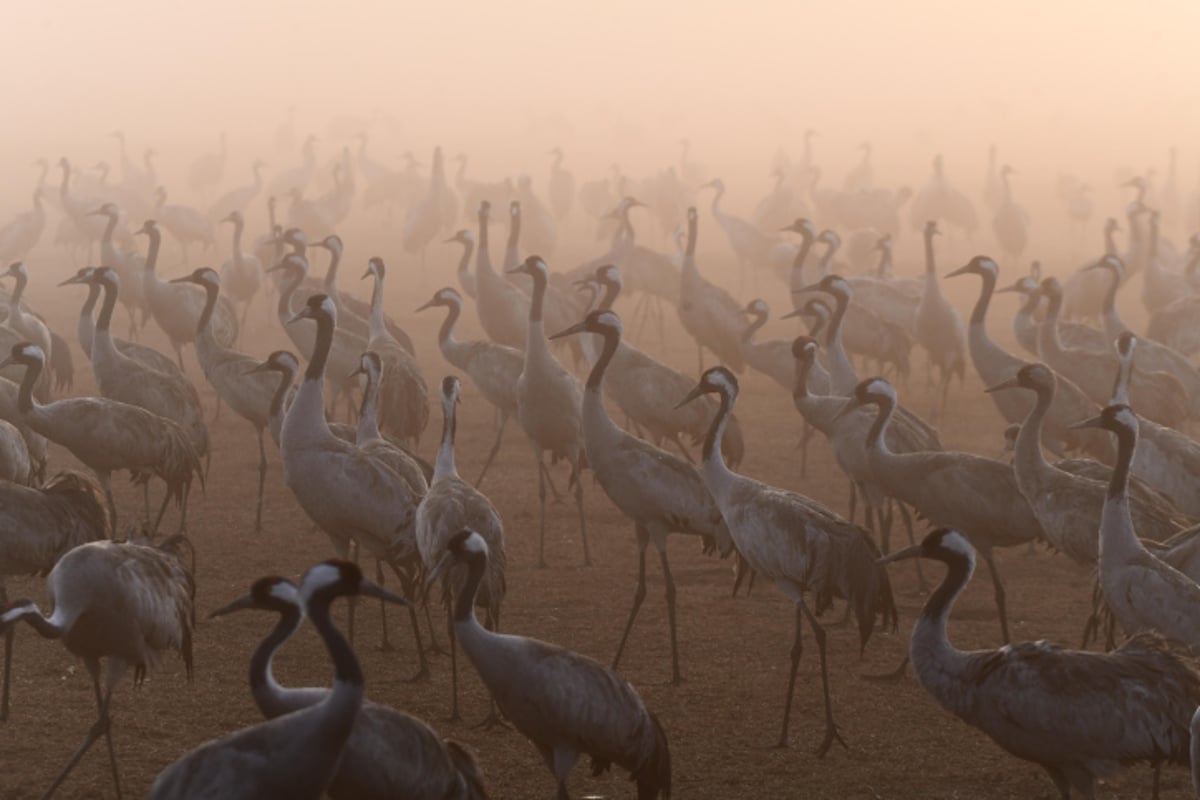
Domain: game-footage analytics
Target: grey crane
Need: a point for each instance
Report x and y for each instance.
(403, 395)
(38, 525)
(171, 396)
(657, 491)
(1077, 715)
(389, 753)
(773, 358)
(548, 407)
(228, 372)
(450, 505)
(994, 364)
(976, 495)
(939, 328)
(709, 314)
(176, 308)
(1010, 223)
(502, 307)
(86, 328)
(567, 704)
(296, 755)
(493, 368)
(1068, 506)
(347, 493)
(108, 435)
(242, 272)
(239, 197)
(125, 603)
(1160, 395)
(466, 279)
(751, 246)
(1144, 593)
(26, 325)
(798, 543)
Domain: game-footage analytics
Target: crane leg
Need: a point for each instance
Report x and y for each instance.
(103, 727)
(492, 453)
(805, 438)
(9, 636)
(831, 731)
(797, 650)
(676, 675)
(105, 479)
(643, 539)
(998, 586)
(577, 476)
(561, 761)
(178, 354)
(423, 670)
(853, 502)
(385, 646)
(454, 715)
(262, 479)
(541, 505)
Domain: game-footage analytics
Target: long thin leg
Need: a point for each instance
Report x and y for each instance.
(912, 539)
(578, 478)
(386, 645)
(831, 731)
(998, 586)
(100, 728)
(537, 452)
(262, 479)
(797, 650)
(639, 594)
(423, 670)
(492, 453)
(676, 675)
(454, 715)
(853, 501)
(105, 479)
(9, 635)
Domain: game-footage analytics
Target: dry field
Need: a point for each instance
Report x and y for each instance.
(734, 651)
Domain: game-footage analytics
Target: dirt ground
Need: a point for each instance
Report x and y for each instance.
(734, 651)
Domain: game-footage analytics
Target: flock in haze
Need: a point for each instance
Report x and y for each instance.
(1103, 465)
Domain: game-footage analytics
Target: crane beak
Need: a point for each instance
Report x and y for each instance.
(812, 287)
(692, 395)
(278, 266)
(1011, 383)
(515, 270)
(912, 551)
(793, 314)
(241, 604)
(355, 374)
(8, 362)
(960, 271)
(366, 274)
(303, 313)
(430, 304)
(263, 367)
(368, 589)
(1016, 287)
(181, 279)
(1091, 422)
(576, 328)
(71, 280)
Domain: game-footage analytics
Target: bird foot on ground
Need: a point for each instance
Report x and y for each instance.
(895, 676)
(832, 734)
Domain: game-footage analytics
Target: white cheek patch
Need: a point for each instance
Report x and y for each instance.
(285, 591)
(319, 577)
(327, 307)
(475, 545)
(957, 543)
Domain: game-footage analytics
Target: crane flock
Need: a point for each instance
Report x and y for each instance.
(1102, 418)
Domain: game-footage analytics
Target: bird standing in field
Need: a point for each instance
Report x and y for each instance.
(568, 705)
(125, 603)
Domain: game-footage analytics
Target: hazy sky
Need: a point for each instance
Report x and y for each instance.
(1057, 85)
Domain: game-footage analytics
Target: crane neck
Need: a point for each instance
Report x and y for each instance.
(1110, 242)
(343, 703)
(446, 332)
(464, 263)
(104, 320)
(759, 320)
(537, 298)
(612, 290)
(238, 226)
(1113, 324)
(64, 188)
(210, 304)
(826, 260)
(110, 228)
(1048, 331)
(611, 341)
(986, 290)
(86, 326)
(445, 466)
(1118, 484)
(464, 605)
(321, 347)
(884, 268)
(376, 327)
(483, 259)
(14, 300)
(1027, 451)
(716, 201)
(930, 263)
(930, 648)
(875, 434)
(47, 628)
(283, 306)
(155, 237)
(1120, 392)
(286, 379)
(806, 243)
(25, 402)
(513, 246)
(833, 335)
(330, 285)
(712, 455)
(368, 412)
(800, 383)
(266, 691)
(692, 232)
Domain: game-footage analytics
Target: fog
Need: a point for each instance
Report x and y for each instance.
(1094, 89)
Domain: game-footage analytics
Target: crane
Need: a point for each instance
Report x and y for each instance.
(798, 543)
(567, 704)
(657, 491)
(708, 313)
(939, 328)
(389, 753)
(188, 225)
(1077, 715)
(239, 198)
(124, 603)
(242, 272)
(296, 755)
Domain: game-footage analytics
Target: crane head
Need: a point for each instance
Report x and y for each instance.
(375, 268)
(1117, 418)
(534, 266)
(465, 546)
(17, 270)
(317, 307)
(835, 285)
(271, 593)
(282, 361)
(462, 236)
(757, 308)
(332, 243)
(444, 297)
(1113, 263)
(1036, 376)
(334, 578)
(943, 544)
(715, 380)
(979, 265)
(869, 391)
(202, 276)
(83, 275)
(369, 364)
(602, 322)
(802, 226)
(804, 348)
(234, 216)
(26, 353)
